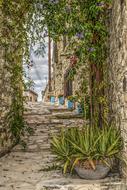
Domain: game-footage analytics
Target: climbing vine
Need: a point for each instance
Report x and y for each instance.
(83, 22)
(15, 48)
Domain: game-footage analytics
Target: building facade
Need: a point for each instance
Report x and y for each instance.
(62, 83)
(31, 96)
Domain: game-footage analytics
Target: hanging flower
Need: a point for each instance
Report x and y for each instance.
(100, 4)
(104, 5)
(54, 1)
(65, 32)
(73, 60)
(68, 9)
(80, 35)
(92, 49)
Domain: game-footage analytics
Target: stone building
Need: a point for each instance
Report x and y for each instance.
(62, 67)
(31, 96)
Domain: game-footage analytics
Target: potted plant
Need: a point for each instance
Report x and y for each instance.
(70, 102)
(61, 99)
(52, 99)
(90, 151)
(79, 108)
(79, 104)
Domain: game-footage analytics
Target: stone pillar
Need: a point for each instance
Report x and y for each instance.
(118, 66)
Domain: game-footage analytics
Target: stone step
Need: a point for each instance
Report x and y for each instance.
(37, 116)
(59, 109)
(36, 113)
(81, 184)
(23, 169)
(67, 115)
(53, 119)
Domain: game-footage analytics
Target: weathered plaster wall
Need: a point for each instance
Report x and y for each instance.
(56, 82)
(60, 66)
(58, 72)
(118, 65)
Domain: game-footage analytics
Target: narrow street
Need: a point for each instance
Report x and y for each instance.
(22, 169)
(25, 169)
(63, 64)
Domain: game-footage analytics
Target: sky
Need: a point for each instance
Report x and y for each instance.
(38, 72)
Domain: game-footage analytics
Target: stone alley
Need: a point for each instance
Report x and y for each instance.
(30, 169)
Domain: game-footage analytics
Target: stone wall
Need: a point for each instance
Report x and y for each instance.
(118, 64)
(5, 103)
(58, 70)
(60, 66)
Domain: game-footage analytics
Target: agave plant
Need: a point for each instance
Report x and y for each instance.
(89, 144)
(63, 149)
(98, 144)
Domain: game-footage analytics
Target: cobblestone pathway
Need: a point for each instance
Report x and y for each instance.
(23, 169)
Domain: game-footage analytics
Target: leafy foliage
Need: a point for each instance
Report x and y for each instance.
(51, 168)
(14, 41)
(90, 144)
(84, 22)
